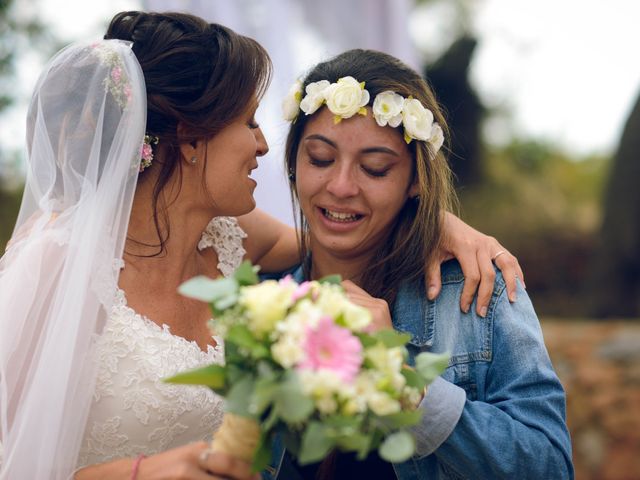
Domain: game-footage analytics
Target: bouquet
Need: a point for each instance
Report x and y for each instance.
(301, 362)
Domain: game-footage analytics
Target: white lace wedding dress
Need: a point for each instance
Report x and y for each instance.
(133, 411)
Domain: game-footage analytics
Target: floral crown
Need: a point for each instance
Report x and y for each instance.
(348, 97)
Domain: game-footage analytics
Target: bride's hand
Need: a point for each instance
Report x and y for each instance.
(189, 462)
(476, 253)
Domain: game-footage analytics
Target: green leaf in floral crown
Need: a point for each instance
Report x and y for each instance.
(391, 338)
(247, 274)
(315, 444)
(213, 376)
(207, 289)
(332, 279)
(397, 447)
(430, 365)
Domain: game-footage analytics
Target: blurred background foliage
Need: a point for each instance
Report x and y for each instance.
(573, 221)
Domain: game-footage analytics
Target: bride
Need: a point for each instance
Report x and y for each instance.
(90, 318)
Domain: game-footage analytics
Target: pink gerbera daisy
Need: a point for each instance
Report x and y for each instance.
(333, 348)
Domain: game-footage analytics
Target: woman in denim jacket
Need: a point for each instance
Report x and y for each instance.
(367, 170)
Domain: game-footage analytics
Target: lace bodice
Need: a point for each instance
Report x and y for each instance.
(133, 411)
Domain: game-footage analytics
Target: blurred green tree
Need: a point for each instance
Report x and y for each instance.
(449, 77)
(615, 280)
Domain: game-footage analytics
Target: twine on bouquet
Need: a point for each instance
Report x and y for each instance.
(237, 436)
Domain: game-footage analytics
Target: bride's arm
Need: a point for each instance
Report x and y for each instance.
(270, 243)
(189, 461)
(273, 245)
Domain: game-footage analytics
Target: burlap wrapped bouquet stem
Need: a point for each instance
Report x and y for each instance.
(237, 436)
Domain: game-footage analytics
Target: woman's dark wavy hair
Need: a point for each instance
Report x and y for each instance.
(417, 232)
(199, 76)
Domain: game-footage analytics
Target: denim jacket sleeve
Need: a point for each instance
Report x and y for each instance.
(515, 428)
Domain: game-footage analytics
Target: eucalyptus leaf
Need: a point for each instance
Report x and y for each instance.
(242, 337)
(213, 376)
(391, 338)
(262, 456)
(292, 405)
(247, 274)
(366, 340)
(343, 422)
(401, 419)
(430, 365)
(315, 444)
(397, 447)
(225, 302)
(356, 442)
(206, 289)
(331, 279)
(239, 397)
(413, 378)
(264, 393)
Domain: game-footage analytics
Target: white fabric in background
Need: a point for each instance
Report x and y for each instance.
(297, 34)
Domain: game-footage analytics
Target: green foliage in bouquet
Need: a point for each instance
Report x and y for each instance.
(301, 362)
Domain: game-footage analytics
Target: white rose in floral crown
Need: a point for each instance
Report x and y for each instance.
(387, 108)
(346, 97)
(315, 96)
(417, 120)
(291, 103)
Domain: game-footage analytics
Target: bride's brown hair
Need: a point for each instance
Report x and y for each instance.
(199, 77)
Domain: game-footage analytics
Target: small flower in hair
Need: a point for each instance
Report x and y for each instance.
(146, 151)
(117, 82)
(314, 97)
(387, 108)
(291, 103)
(348, 97)
(417, 120)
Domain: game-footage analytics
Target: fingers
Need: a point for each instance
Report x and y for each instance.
(487, 280)
(471, 271)
(511, 271)
(225, 466)
(433, 280)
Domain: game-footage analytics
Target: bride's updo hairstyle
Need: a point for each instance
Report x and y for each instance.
(198, 75)
(418, 231)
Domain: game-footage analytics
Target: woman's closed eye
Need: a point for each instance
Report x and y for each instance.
(376, 172)
(253, 124)
(320, 162)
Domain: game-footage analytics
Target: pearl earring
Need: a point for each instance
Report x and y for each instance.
(193, 160)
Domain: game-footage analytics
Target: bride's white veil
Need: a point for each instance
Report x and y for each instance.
(85, 127)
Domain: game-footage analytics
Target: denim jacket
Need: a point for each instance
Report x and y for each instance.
(498, 411)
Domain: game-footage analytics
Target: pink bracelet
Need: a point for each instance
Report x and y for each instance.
(136, 466)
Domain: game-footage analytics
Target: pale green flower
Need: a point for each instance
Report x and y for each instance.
(382, 404)
(265, 305)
